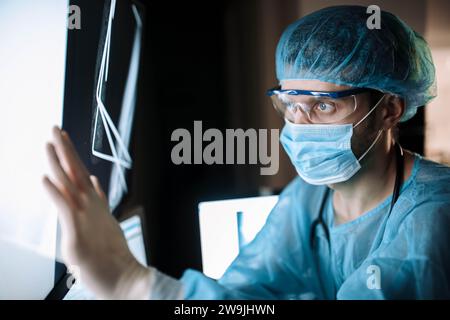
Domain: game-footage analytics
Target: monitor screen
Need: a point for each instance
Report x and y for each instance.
(32, 63)
(228, 225)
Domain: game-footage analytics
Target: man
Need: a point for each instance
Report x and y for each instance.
(365, 219)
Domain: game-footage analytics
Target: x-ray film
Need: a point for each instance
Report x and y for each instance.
(112, 125)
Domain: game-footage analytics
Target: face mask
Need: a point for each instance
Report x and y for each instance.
(322, 153)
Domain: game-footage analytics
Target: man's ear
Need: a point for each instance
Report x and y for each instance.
(394, 107)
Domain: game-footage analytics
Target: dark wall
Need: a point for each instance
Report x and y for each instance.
(412, 132)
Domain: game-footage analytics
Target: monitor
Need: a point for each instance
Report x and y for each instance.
(32, 63)
(228, 225)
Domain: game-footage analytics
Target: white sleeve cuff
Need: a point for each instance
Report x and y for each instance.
(164, 287)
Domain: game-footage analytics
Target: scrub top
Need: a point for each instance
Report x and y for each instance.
(404, 255)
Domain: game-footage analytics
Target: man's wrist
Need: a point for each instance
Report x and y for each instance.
(134, 283)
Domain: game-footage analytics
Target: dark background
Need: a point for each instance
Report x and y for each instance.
(210, 61)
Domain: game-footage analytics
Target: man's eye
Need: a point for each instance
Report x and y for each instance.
(323, 107)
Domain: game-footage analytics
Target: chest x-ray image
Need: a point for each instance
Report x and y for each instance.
(102, 86)
(111, 138)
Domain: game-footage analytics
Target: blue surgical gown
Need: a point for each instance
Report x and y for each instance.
(408, 251)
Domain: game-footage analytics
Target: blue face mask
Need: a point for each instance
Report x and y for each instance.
(322, 153)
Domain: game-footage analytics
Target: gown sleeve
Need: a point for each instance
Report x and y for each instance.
(277, 264)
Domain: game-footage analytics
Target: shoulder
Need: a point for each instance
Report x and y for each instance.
(428, 186)
(299, 199)
(428, 195)
(424, 212)
(429, 219)
(432, 181)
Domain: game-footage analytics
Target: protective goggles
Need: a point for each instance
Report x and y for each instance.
(320, 107)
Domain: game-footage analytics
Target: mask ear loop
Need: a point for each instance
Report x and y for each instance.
(379, 131)
(371, 146)
(371, 110)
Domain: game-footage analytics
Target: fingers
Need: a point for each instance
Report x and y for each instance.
(73, 152)
(98, 188)
(75, 168)
(65, 211)
(60, 174)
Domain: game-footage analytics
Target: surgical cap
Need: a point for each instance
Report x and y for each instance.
(335, 45)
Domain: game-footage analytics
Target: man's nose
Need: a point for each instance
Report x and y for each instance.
(300, 116)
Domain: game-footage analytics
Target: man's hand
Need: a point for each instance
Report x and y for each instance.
(91, 238)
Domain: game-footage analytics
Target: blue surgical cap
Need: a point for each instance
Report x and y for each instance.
(335, 45)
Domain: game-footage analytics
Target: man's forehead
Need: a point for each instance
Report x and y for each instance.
(312, 85)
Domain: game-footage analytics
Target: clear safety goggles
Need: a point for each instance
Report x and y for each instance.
(319, 107)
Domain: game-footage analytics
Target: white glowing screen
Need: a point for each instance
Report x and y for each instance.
(32, 68)
(228, 225)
